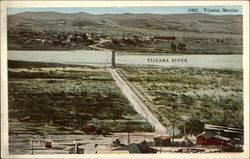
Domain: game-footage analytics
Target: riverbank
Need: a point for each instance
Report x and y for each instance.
(97, 57)
(124, 52)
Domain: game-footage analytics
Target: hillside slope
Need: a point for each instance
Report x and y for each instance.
(120, 23)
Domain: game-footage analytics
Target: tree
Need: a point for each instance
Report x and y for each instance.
(173, 47)
(181, 46)
(194, 126)
(115, 42)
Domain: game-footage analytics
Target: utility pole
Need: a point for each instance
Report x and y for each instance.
(161, 142)
(185, 129)
(173, 133)
(32, 147)
(129, 131)
(68, 119)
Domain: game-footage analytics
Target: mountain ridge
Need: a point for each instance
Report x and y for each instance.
(144, 22)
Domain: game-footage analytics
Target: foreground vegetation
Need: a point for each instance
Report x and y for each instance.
(192, 96)
(68, 97)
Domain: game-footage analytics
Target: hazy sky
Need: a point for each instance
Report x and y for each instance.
(120, 10)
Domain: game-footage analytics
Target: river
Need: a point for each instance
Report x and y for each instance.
(83, 57)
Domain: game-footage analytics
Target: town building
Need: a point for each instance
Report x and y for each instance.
(230, 139)
(211, 138)
(162, 141)
(143, 147)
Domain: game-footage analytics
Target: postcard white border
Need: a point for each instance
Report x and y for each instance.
(4, 85)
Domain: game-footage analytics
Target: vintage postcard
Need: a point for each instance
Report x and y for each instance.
(125, 79)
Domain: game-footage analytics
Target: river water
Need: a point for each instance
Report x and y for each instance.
(83, 57)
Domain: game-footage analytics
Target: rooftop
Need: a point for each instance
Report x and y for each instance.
(162, 137)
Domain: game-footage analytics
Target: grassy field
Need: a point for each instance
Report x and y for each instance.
(180, 95)
(59, 98)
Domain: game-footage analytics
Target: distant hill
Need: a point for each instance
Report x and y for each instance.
(127, 23)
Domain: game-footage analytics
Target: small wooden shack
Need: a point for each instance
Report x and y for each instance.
(162, 141)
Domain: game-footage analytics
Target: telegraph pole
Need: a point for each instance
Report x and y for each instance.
(32, 147)
(161, 142)
(185, 131)
(173, 133)
(129, 131)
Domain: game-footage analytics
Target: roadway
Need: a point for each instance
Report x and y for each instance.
(137, 103)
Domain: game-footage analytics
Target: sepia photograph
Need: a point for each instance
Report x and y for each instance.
(124, 78)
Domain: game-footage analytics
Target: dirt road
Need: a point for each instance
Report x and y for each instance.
(138, 105)
(97, 46)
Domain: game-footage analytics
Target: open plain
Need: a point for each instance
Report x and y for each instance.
(179, 96)
(67, 97)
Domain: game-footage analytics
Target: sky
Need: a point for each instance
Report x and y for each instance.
(138, 10)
